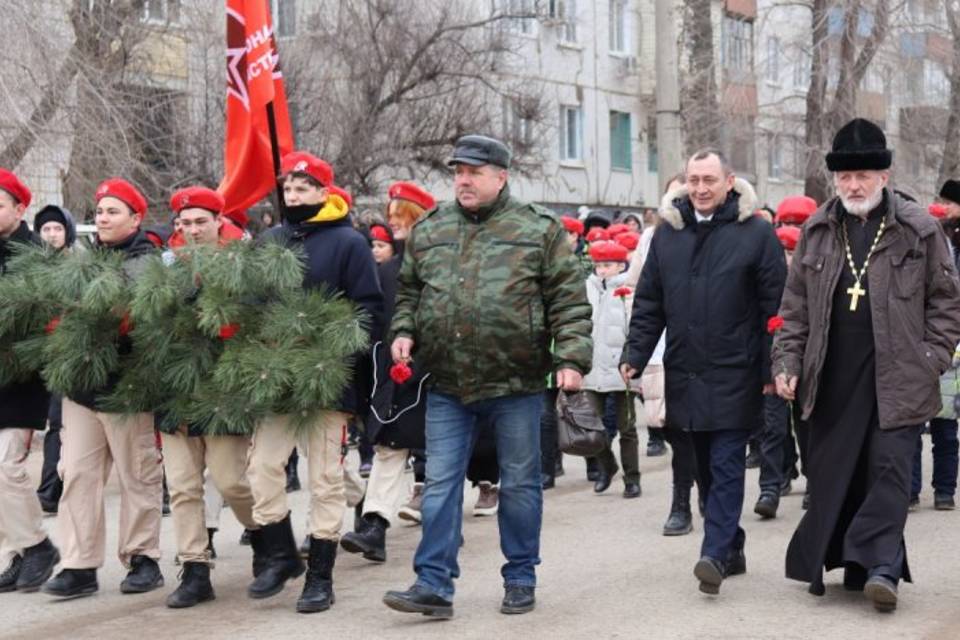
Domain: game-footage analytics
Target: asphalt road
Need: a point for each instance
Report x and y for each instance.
(606, 573)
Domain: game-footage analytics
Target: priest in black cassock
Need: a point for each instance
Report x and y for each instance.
(871, 317)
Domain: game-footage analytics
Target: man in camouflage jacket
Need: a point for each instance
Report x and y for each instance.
(487, 283)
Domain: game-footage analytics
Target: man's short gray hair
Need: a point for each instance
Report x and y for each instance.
(706, 152)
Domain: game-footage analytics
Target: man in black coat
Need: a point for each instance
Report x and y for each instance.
(23, 407)
(713, 278)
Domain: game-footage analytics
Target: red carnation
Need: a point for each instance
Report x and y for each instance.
(227, 331)
(126, 326)
(400, 372)
(52, 325)
(622, 292)
(774, 324)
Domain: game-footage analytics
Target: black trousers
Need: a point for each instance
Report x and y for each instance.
(483, 465)
(683, 461)
(548, 434)
(51, 486)
(776, 423)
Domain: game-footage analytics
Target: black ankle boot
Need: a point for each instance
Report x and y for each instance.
(194, 586)
(318, 586)
(371, 540)
(283, 560)
(260, 551)
(38, 563)
(680, 520)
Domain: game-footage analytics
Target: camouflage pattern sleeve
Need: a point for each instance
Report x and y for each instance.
(408, 293)
(569, 315)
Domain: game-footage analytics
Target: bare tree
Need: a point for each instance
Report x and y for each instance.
(850, 54)
(701, 109)
(950, 162)
(382, 91)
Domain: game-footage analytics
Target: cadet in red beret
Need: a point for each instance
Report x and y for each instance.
(411, 193)
(96, 442)
(13, 206)
(795, 210)
(574, 230)
(120, 211)
(199, 218)
(381, 239)
(628, 239)
(307, 165)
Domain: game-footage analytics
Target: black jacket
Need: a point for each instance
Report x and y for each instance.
(22, 405)
(135, 250)
(339, 260)
(397, 417)
(712, 286)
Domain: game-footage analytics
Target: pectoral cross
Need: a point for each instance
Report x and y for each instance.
(856, 291)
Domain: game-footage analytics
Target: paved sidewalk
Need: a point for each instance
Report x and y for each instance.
(607, 573)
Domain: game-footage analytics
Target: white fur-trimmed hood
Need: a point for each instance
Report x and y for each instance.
(747, 204)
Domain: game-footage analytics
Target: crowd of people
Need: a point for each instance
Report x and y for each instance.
(813, 338)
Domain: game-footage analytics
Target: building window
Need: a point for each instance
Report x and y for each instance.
(653, 160)
(520, 15)
(517, 126)
(773, 60)
(621, 148)
(161, 11)
(936, 84)
(571, 133)
(774, 157)
(737, 35)
(619, 31)
(284, 17)
(801, 70)
(565, 12)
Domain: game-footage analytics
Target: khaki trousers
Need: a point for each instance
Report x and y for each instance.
(92, 443)
(272, 443)
(386, 487)
(20, 516)
(185, 458)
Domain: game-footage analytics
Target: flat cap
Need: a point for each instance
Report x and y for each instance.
(480, 150)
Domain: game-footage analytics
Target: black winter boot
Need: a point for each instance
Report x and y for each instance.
(260, 551)
(680, 520)
(283, 560)
(371, 540)
(318, 585)
(194, 586)
(144, 576)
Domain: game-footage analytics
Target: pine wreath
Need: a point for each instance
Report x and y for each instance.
(225, 336)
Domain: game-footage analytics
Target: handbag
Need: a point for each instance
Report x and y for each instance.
(580, 430)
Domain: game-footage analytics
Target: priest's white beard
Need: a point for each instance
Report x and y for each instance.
(863, 207)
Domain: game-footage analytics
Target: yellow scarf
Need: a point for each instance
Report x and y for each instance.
(335, 208)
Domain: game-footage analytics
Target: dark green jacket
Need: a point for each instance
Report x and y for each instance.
(483, 294)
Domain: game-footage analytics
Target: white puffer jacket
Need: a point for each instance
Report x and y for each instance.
(611, 320)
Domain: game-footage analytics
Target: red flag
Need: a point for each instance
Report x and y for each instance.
(254, 81)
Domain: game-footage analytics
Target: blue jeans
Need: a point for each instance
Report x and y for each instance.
(452, 431)
(721, 467)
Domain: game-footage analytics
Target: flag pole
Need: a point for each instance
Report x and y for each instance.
(275, 152)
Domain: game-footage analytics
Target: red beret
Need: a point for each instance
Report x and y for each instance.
(10, 183)
(789, 237)
(411, 192)
(616, 229)
(628, 239)
(124, 191)
(607, 251)
(938, 210)
(197, 197)
(795, 210)
(311, 165)
(343, 193)
(572, 225)
(597, 233)
(381, 233)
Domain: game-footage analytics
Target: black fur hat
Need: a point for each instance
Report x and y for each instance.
(951, 191)
(859, 146)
